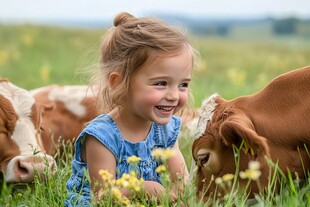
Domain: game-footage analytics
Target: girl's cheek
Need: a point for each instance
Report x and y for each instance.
(153, 97)
(183, 99)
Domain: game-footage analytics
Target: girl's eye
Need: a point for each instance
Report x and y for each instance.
(161, 83)
(184, 85)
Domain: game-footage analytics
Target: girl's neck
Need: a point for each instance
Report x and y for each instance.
(133, 128)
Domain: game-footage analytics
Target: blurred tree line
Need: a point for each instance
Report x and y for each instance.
(285, 26)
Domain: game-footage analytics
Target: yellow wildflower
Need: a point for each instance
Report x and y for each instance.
(157, 153)
(254, 165)
(163, 154)
(107, 178)
(125, 202)
(45, 73)
(117, 193)
(133, 159)
(227, 177)
(161, 169)
(168, 153)
(123, 181)
(218, 180)
(130, 181)
(27, 39)
(119, 197)
(236, 76)
(105, 175)
(253, 172)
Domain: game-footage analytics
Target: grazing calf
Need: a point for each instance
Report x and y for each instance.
(272, 124)
(66, 111)
(21, 152)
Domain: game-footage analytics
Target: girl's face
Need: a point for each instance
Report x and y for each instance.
(160, 90)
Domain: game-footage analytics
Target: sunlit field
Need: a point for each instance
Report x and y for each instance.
(240, 64)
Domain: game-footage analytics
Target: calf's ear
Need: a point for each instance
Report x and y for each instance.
(234, 132)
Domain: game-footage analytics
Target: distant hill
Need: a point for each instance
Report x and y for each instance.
(207, 25)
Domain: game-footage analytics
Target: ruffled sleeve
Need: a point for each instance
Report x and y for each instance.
(105, 131)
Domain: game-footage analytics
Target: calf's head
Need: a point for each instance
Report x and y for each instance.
(20, 153)
(225, 135)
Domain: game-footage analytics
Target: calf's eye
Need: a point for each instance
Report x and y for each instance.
(202, 157)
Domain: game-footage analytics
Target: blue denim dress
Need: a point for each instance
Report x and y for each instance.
(106, 131)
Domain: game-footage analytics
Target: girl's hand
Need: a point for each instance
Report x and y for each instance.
(154, 188)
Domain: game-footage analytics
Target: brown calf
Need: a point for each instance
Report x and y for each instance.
(272, 123)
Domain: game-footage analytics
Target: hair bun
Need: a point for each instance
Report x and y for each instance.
(122, 18)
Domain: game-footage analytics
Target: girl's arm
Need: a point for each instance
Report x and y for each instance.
(177, 168)
(98, 157)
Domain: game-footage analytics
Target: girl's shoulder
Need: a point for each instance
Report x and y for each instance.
(104, 129)
(103, 121)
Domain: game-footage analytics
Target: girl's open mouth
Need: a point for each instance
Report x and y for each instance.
(165, 108)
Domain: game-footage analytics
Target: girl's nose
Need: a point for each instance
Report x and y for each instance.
(172, 95)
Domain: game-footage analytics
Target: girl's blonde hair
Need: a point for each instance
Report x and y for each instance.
(126, 47)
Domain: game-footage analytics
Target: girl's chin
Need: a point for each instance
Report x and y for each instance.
(162, 118)
(162, 121)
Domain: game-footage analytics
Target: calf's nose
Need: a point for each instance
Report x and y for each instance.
(24, 168)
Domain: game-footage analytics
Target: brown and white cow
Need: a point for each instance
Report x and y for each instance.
(21, 154)
(67, 110)
(273, 123)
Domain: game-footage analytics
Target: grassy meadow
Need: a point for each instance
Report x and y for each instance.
(239, 64)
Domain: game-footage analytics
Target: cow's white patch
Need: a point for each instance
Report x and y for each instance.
(72, 97)
(207, 107)
(25, 137)
(24, 133)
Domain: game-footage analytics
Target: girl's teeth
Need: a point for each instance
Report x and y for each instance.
(164, 108)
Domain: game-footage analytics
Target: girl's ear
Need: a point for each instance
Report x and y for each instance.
(113, 78)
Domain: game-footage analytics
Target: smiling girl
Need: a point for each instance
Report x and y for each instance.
(145, 70)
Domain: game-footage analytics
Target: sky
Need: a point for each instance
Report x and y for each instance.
(40, 10)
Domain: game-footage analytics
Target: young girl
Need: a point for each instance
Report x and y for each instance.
(145, 70)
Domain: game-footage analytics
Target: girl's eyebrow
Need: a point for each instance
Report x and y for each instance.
(187, 79)
(165, 77)
(159, 77)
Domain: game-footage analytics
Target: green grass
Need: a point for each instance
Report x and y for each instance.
(241, 64)
(52, 191)
(234, 67)
(33, 56)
